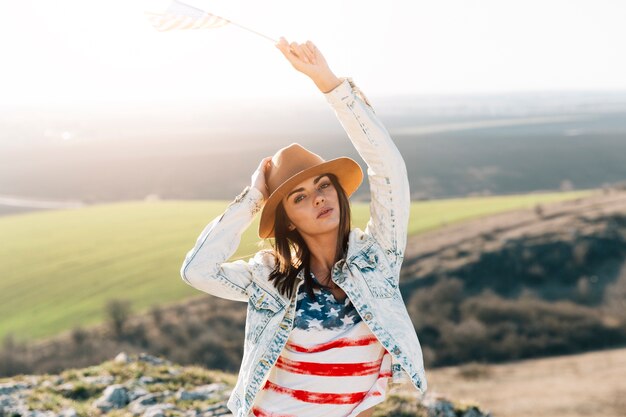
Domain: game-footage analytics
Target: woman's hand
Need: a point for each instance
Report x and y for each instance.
(307, 59)
(258, 177)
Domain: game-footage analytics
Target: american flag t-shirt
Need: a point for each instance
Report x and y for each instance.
(332, 364)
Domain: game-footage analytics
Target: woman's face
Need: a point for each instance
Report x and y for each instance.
(305, 202)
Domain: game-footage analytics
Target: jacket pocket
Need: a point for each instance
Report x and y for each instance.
(373, 267)
(262, 306)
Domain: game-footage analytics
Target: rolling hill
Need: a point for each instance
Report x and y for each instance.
(59, 268)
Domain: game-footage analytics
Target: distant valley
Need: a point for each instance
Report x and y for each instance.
(453, 146)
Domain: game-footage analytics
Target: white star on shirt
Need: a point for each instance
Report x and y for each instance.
(316, 306)
(329, 297)
(347, 320)
(298, 313)
(301, 296)
(333, 312)
(315, 323)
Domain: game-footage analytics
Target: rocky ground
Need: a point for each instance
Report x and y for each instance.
(148, 386)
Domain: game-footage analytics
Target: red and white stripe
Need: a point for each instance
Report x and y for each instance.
(326, 372)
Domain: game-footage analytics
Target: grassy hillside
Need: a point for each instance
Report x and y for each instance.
(59, 268)
(431, 214)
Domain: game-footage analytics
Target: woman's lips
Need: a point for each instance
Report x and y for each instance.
(325, 214)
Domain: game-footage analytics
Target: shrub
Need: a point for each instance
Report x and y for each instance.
(117, 313)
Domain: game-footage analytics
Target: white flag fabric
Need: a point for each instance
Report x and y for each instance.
(183, 16)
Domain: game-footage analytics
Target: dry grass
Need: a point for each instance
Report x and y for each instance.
(589, 384)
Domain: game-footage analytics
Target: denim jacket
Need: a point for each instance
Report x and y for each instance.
(369, 274)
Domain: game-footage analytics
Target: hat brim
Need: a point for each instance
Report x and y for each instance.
(346, 169)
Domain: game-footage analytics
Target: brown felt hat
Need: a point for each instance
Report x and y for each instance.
(292, 165)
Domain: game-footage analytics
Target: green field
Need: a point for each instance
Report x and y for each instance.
(59, 268)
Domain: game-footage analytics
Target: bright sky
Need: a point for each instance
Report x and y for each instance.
(86, 51)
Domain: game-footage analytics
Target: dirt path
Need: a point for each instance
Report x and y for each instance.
(589, 384)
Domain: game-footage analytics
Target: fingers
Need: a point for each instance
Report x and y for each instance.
(266, 162)
(311, 45)
(289, 51)
(305, 52)
(284, 47)
(310, 53)
(299, 52)
(313, 49)
(282, 42)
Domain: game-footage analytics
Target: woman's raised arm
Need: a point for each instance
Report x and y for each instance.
(386, 169)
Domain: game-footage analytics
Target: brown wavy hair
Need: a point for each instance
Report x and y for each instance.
(291, 252)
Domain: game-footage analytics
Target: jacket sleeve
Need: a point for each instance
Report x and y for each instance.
(205, 266)
(386, 170)
(398, 375)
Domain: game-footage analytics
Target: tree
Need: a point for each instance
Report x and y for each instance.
(118, 312)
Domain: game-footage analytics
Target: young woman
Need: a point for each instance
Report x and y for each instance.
(326, 325)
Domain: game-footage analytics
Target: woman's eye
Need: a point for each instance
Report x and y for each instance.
(297, 199)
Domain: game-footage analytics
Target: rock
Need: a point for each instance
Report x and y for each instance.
(205, 392)
(68, 412)
(143, 403)
(8, 404)
(145, 380)
(474, 412)
(99, 379)
(66, 388)
(136, 393)
(219, 409)
(174, 372)
(144, 357)
(158, 410)
(29, 413)
(439, 406)
(12, 400)
(114, 396)
(9, 388)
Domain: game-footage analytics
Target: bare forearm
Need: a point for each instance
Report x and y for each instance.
(326, 82)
